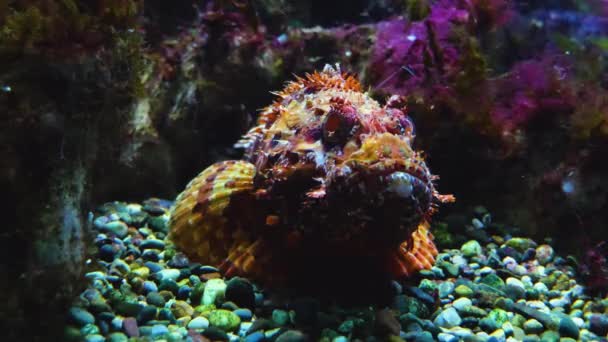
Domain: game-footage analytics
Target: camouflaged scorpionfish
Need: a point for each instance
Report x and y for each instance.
(327, 173)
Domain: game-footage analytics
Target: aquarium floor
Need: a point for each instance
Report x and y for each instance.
(140, 288)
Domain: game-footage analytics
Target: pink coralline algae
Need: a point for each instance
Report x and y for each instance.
(405, 52)
(430, 55)
(531, 88)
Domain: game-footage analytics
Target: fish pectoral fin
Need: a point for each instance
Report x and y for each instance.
(200, 225)
(415, 254)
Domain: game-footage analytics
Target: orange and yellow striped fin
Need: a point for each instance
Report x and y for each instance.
(198, 224)
(416, 254)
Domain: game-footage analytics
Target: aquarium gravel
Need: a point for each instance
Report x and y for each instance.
(141, 289)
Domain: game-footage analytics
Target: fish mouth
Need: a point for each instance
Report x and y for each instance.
(391, 180)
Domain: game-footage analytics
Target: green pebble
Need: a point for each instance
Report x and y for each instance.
(427, 285)
(463, 291)
(89, 329)
(520, 244)
(471, 248)
(280, 317)
(224, 319)
(549, 336)
(117, 337)
(128, 309)
(568, 328)
(493, 280)
(72, 334)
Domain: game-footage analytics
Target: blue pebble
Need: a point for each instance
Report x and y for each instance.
(244, 314)
(107, 252)
(150, 255)
(81, 316)
(152, 244)
(154, 267)
(255, 337)
(94, 338)
(204, 270)
(184, 292)
(149, 286)
(159, 330)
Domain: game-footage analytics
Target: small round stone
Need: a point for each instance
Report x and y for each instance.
(244, 314)
(154, 298)
(215, 289)
(280, 317)
(240, 291)
(463, 291)
(598, 324)
(471, 248)
(224, 319)
(448, 318)
(199, 322)
(568, 328)
(168, 274)
(462, 304)
(292, 336)
(544, 254)
(117, 337)
(152, 244)
(81, 316)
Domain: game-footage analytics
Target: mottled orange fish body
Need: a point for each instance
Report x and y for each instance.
(327, 172)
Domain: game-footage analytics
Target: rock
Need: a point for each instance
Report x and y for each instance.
(244, 314)
(427, 285)
(493, 281)
(499, 335)
(128, 309)
(445, 289)
(549, 336)
(386, 323)
(462, 304)
(168, 274)
(154, 298)
(142, 272)
(118, 228)
(152, 244)
(199, 322)
(515, 288)
(568, 328)
(533, 326)
(81, 316)
(445, 337)
(448, 318)
(129, 325)
(146, 314)
(520, 244)
(215, 290)
(598, 324)
(544, 254)
(181, 309)
(117, 337)
(240, 291)
(159, 330)
(280, 317)
(257, 336)
(471, 248)
(463, 291)
(224, 320)
(292, 336)
(159, 223)
(94, 338)
(495, 319)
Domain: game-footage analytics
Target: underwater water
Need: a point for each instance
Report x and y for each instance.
(271, 170)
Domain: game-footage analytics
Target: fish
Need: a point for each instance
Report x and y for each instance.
(328, 173)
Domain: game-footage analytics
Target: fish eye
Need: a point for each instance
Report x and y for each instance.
(339, 125)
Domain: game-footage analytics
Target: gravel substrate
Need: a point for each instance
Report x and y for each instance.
(141, 288)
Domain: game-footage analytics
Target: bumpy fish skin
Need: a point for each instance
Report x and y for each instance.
(327, 172)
